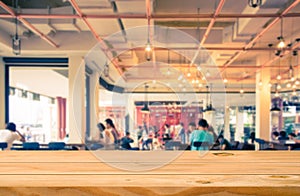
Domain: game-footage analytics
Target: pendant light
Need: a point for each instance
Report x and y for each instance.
(16, 40)
(209, 107)
(254, 3)
(281, 43)
(146, 109)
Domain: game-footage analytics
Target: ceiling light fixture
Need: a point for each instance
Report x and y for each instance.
(281, 43)
(16, 40)
(146, 109)
(254, 3)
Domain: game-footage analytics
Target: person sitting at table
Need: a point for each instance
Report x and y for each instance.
(111, 133)
(275, 136)
(126, 140)
(282, 137)
(224, 143)
(10, 134)
(201, 135)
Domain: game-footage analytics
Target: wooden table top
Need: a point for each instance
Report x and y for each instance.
(224, 170)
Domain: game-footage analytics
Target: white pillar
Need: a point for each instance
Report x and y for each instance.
(94, 105)
(227, 123)
(239, 132)
(2, 94)
(263, 102)
(76, 100)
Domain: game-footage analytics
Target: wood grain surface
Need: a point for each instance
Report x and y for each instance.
(149, 173)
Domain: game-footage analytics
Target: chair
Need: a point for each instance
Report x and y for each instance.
(56, 146)
(3, 145)
(172, 145)
(31, 146)
(201, 144)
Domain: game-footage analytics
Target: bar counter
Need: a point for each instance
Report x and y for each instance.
(148, 173)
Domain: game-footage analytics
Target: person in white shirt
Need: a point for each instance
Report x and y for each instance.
(10, 134)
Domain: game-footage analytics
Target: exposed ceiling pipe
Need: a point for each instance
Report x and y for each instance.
(153, 16)
(269, 26)
(28, 25)
(212, 22)
(204, 48)
(268, 63)
(99, 39)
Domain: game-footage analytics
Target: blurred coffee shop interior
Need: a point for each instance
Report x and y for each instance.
(67, 65)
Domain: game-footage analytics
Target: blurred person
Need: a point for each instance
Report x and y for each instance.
(10, 134)
(201, 135)
(126, 140)
(191, 128)
(111, 134)
(167, 131)
(282, 136)
(275, 135)
(182, 133)
(224, 143)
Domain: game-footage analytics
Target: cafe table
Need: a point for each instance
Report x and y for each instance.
(149, 173)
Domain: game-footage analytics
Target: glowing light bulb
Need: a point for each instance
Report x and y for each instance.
(297, 82)
(294, 93)
(294, 86)
(292, 78)
(241, 91)
(278, 87)
(281, 44)
(197, 81)
(148, 47)
(188, 74)
(278, 77)
(260, 83)
(276, 94)
(270, 85)
(200, 85)
(193, 81)
(225, 80)
(288, 85)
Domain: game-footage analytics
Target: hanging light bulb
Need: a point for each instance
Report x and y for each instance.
(270, 84)
(198, 68)
(278, 87)
(180, 77)
(294, 93)
(225, 80)
(260, 83)
(203, 78)
(297, 82)
(292, 78)
(281, 43)
(197, 81)
(294, 86)
(200, 85)
(188, 74)
(278, 77)
(242, 91)
(193, 81)
(288, 85)
(148, 51)
(276, 94)
(168, 72)
(207, 74)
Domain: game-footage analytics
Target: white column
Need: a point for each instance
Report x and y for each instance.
(210, 117)
(239, 132)
(227, 123)
(263, 102)
(2, 94)
(94, 104)
(76, 99)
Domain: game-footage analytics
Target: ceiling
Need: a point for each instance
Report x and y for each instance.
(234, 39)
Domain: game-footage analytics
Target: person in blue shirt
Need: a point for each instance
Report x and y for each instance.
(201, 135)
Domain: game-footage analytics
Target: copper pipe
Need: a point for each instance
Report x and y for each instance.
(144, 16)
(212, 22)
(28, 25)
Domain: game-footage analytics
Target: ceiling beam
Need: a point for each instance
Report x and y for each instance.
(260, 34)
(28, 25)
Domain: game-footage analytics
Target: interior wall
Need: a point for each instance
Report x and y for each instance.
(2, 95)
